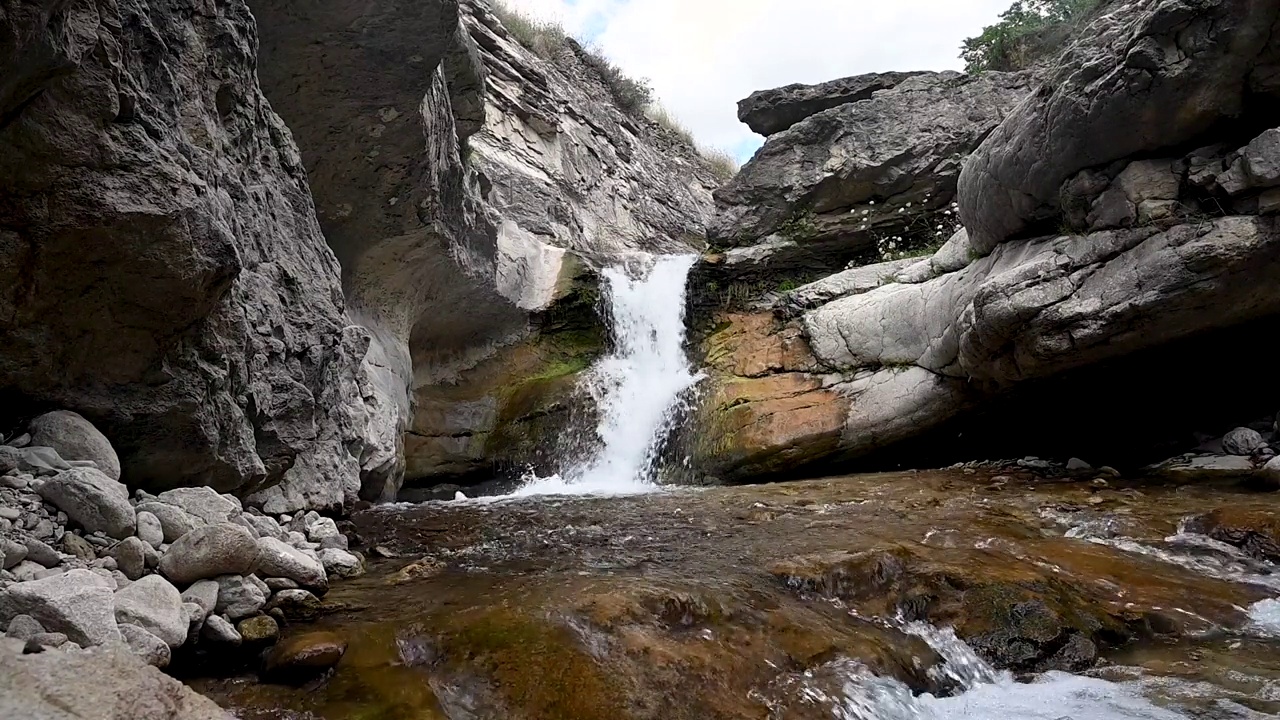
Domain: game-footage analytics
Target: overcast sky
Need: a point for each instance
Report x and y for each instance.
(702, 56)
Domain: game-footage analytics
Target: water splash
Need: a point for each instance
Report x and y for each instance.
(1264, 618)
(639, 387)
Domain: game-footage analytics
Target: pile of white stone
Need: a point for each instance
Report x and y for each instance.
(86, 564)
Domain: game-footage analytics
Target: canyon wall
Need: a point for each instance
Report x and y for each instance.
(1115, 199)
(269, 304)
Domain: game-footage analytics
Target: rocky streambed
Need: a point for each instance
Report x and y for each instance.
(826, 598)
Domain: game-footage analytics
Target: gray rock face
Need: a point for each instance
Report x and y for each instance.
(208, 552)
(78, 603)
(277, 559)
(92, 500)
(154, 605)
(204, 328)
(66, 686)
(811, 183)
(1225, 55)
(75, 439)
(771, 111)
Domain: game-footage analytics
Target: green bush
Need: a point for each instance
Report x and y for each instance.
(1028, 31)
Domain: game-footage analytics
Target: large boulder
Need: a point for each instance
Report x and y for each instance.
(154, 605)
(75, 439)
(104, 682)
(208, 552)
(1142, 98)
(78, 603)
(93, 500)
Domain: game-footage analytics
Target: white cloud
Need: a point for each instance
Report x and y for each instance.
(702, 56)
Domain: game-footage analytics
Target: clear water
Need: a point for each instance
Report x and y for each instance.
(639, 388)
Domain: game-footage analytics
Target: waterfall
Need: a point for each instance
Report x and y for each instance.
(639, 387)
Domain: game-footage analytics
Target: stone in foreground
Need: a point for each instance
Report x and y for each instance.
(106, 682)
(78, 603)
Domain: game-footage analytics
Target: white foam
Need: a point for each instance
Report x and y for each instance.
(638, 387)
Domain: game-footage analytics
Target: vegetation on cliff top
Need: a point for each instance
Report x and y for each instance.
(633, 96)
(1027, 32)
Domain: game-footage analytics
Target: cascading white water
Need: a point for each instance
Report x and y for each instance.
(639, 386)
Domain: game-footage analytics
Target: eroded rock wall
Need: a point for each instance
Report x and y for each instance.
(161, 267)
(1095, 230)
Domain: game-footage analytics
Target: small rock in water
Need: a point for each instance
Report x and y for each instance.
(1078, 464)
(459, 495)
(302, 657)
(258, 630)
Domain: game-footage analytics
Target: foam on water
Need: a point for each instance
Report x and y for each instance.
(639, 387)
(987, 693)
(1264, 618)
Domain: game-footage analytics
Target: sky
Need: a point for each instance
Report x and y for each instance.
(702, 56)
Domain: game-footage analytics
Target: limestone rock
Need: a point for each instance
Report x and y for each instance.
(150, 530)
(24, 627)
(902, 145)
(238, 597)
(219, 630)
(76, 439)
(340, 563)
(41, 553)
(295, 604)
(771, 111)
(156, 606)
(322, 528)
(103, 682)
(93, 500)
(75, 545)
(208, 552)
(276, 559)
(202, 503)
(258, 630)
(1013, 180)
(145, 645)
(174, 521)
(39, 460)
(302, 657)
(11, 553)
(1243, 441)
(131, 557)
(1205, 467)
(78, 603)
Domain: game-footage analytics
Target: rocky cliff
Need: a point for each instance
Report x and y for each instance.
(268, 306)
(1118, 200)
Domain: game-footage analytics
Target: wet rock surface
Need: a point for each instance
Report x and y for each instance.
(711, 603)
